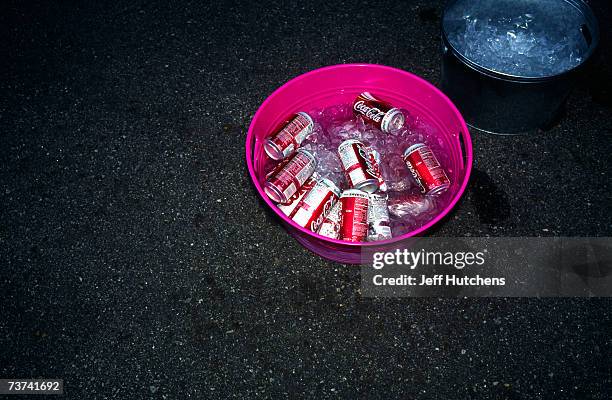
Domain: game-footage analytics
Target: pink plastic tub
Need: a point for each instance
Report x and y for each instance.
(341, 84)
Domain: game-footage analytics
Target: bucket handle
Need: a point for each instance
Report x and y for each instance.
(586, 32)
(463, 153)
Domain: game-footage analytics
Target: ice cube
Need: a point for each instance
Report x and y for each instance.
(523, 38)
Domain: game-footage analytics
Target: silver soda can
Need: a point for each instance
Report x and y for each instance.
(378, 218)
(331, 224)
(294, 200)
(316, 204)
(285, 141)
(361, 173)
(282, 183)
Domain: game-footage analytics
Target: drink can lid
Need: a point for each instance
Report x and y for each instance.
(413, 148)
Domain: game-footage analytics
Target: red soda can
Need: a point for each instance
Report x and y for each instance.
(379, 113)
(313, 208)
(354, 215)
(378, 218)
(287, 139)
(331, 224)
(361, 173)
(426, 169)
(376, 160)
(282, 183)
(294, 200)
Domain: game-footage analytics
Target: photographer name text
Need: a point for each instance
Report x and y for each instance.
(437, 280)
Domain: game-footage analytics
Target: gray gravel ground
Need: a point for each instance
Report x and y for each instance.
(138, 262)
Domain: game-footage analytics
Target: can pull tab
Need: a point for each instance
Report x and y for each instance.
(586, 32)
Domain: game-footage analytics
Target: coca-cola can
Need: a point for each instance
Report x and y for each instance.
(426, 169)
(379, 113)
(294, 200)
(375, 158)
(354, 215)
(314, 207)
(282, 183)
(331, 223)
(378, 218)
(361, 173)
(287, 139)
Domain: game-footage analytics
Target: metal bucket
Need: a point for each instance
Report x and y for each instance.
(502, 103)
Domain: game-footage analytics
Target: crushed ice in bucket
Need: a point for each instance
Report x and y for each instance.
(525, 38)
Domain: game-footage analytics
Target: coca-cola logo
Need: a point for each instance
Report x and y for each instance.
(314, 225)
(375, 165)
(416, 176)
(371, 164)
(372, 113)
(305, 187)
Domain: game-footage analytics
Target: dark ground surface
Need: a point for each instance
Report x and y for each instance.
(138, 262)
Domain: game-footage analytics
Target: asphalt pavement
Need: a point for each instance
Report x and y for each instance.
(137, 261)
